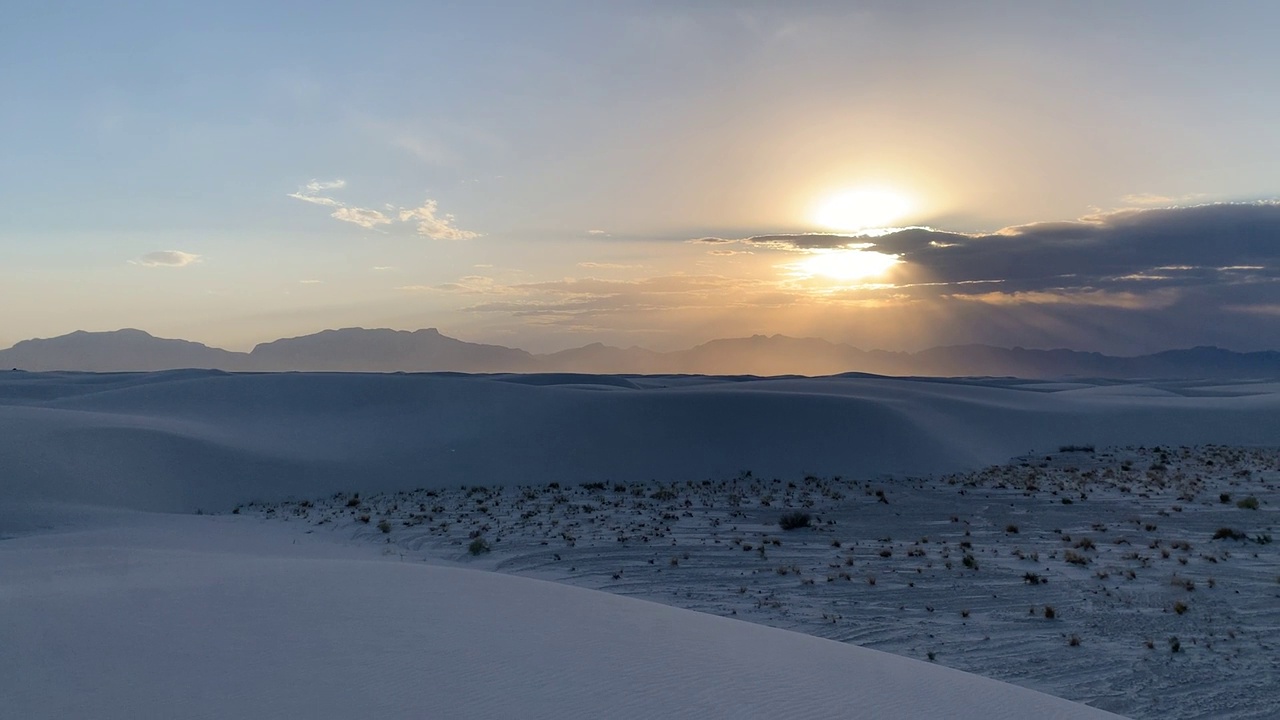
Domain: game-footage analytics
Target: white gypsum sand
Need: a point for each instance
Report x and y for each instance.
(188, 440)
(182, 441)
(139, 616)
(1141, 580)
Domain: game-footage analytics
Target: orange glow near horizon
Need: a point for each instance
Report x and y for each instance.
(844, 264)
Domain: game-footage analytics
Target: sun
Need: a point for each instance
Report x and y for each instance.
(859, 209)
(845, 264)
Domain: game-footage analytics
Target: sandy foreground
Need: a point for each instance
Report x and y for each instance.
(316, 601)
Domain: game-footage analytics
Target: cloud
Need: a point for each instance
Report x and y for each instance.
(168, 258)
(468, 285)
(1100, 298)
(1150, 199)
(576, 300)
(311, 192)
(426, 217)
(436, 227)
(607, 266)
(1203, 245)
(792, 241)
(363, 217)
(1170, 247)
(597, 232)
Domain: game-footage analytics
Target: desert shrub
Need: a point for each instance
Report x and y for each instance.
(1075, 448)
(1262, 538)
(1031, 578)
(1011, 529)
(384, 525)
(354, 500)
(1224, 498)
(970, 562)
(479, 546)
(1249, 503)
(1075, 558)
(794, 520)
(1179, 607)
(1175, 645)
(1049, 612)
(1226, 533)
(1074, 640)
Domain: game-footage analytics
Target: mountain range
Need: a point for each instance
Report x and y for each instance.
(383, 350)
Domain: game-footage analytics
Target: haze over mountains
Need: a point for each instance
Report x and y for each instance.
(383, 350)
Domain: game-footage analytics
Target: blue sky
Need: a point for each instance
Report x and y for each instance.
(533, 174)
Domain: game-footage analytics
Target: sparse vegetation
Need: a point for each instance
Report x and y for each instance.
(795, 520)
(1249, 503)
(1075, 558)
(1131, 561)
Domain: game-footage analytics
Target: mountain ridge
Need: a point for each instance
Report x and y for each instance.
(356, 349)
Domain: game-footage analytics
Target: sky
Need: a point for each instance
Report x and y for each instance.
(894, 175)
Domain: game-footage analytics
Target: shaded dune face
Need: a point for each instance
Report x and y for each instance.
(104, 623)
(208, 440)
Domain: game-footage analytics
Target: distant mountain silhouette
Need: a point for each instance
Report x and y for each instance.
(381, 350)
(126, 349)
(388, 351)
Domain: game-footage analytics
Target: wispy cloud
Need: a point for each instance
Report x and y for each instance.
(427, 218)
(1099, 298)
(167, 258)
(433, 225)
(313, 191)
(363, 217)
(1153, 200)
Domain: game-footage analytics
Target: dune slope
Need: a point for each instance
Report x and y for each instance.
(204, 617)
(188, 440)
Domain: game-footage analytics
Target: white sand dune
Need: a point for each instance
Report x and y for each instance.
(188, 440)
(125, 614)
(200, 617)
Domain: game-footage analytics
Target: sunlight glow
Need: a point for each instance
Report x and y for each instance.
(845, 264)
(860, 209)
